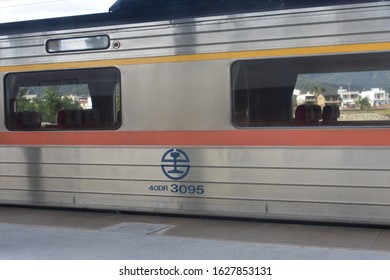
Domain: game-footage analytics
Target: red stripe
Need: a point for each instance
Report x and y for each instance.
(353, 137)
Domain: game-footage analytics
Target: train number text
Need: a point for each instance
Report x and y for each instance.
(158, 188)
(179, 189)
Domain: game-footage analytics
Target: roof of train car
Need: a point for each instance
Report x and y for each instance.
(136, 11)
(202, 6)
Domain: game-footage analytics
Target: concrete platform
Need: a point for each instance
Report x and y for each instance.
(30, 233)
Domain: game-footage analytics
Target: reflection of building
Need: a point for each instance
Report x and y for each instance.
(328, 98)
(85, 102)
(348, 98)
(344, 98)
(307, 98)
(325, 98)
(376, 96)
(30, 97)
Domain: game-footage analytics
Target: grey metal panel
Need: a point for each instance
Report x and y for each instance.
(294, 28)
(235, 181)
(348, 158)
(258, 176)
(175, 99)
(368, 214)
(237, 191)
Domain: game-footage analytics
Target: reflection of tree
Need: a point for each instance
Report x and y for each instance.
(48, 104)
(363, 103)
(23, 103)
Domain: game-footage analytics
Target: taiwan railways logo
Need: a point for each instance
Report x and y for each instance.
(175, 164)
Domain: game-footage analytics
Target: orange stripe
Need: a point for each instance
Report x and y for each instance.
(298, 137)
(280, 52)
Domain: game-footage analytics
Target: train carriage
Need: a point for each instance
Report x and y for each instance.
(201, 108)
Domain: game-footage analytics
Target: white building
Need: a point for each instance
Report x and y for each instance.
(297, 92)
(376, 96)
(307, 98)
(348, 98)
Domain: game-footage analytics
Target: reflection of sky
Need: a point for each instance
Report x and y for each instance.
(19, 10)
(74, 44)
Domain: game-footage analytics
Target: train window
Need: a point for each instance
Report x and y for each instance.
(325, 90)
(78, 44)
(63, 100)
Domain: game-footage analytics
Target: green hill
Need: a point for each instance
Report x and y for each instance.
(356, 81)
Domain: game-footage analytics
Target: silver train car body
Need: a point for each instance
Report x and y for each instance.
(179, 142)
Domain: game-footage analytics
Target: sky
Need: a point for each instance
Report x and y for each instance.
(19, 10)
